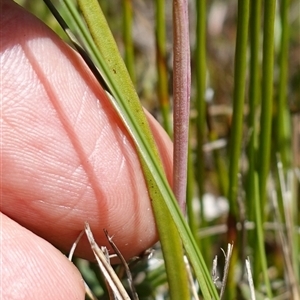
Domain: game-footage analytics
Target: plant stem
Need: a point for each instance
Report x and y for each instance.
(200, 57)
(181, 97)
(266, 103)
(266, 121)
(161, 62)
(254, 97)
(236, 133)
(260, 238)
(238, 102)
(192, 219)
(283, 128)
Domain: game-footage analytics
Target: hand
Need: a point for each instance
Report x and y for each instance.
(66, 158)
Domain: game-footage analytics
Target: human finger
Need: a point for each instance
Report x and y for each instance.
(66, 157)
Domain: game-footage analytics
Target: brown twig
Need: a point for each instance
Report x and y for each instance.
(123, 261)
(106, 269)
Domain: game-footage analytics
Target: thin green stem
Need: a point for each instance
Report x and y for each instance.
(254, 96)
(236, 132)
(260, 238)
(263, 160)
(161, 62)
(238, 102)
(192, 219)
(267, 100)
(200, 57)
(284, 142)
(219, 160)
(283, 128)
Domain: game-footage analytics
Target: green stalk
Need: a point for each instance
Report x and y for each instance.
(127, 36)
(267, 98)
(200, 57)
(192, 219)
(284, 143)
(260, 238)
(200, 105)
(283, 122)
(238, 102)
(236, 132)
(263, 158)
(254, 96)
(219, 159)
(161, 63)
(295, 212)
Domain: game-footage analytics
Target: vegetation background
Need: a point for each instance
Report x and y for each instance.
(260, 113)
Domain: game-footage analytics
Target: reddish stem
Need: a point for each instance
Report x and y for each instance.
(181, 97)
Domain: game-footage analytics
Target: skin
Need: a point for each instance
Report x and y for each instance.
(65, 159)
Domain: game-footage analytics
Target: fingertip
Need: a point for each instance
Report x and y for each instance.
(34, 269)
(79, 160)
